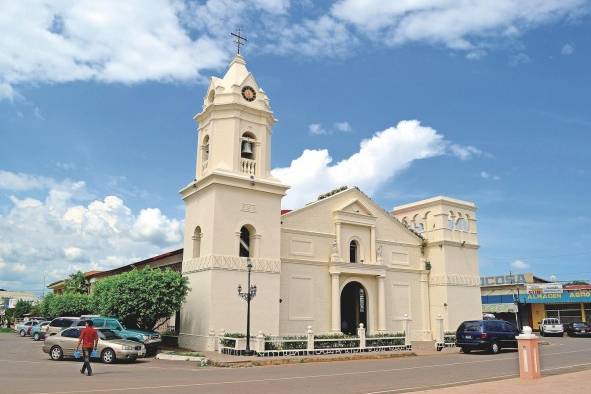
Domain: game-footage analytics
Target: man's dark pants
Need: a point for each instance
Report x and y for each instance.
(86, 355)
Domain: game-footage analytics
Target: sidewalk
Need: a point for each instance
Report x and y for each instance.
(568, 383)
(224, 360)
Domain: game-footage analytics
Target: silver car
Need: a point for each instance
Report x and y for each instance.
(110, 346)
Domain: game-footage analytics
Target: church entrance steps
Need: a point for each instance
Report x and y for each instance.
(224, 360)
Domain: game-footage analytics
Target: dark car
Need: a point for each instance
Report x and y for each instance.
(491, 335)
(578, 329)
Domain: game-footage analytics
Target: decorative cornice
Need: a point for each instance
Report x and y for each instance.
(230, 263)
(455, 280)
(453, 243)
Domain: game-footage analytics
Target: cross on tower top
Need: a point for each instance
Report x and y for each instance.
(238, 40)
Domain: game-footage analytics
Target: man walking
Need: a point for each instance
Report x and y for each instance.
(89, 341)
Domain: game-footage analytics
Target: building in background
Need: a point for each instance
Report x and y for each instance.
(8, 299)
(527, 299)
(169, 260)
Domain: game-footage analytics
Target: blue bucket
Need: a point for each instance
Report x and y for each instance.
(94, 354)
(77, 354)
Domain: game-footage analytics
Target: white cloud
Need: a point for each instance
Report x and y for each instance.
(464, 152)
(57, 234)
(519, 265)
(486, 175)
(337, 127)
(110, 41)
(177, 40)
(567, 49)
(460, 25)
(380, 158)
(518, 59)
(343, 127)
(19, 181)
(316, 129)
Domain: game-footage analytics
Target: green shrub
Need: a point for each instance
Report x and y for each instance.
(344, 341)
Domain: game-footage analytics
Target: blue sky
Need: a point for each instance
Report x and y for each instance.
(98, 137)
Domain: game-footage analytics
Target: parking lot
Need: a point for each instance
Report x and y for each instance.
(25, 369)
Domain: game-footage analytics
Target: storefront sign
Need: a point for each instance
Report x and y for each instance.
(577, 296)
(499, 308)
(544, 288)
(502, 280)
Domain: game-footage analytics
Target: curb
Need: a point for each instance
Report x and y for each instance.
(301, 360)
(176, 357)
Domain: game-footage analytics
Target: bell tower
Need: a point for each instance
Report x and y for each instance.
(235, 126)
(233, 212)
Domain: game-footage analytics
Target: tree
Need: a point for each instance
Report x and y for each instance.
(77, 284)
(142, 296)
(67, 304)
(22, 308)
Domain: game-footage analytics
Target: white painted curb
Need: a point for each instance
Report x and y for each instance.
(176, 357)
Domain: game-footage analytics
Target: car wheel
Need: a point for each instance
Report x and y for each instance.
(22, 333)
(466, 350)
(56, 353)
(108, 356)
(36, 336)
(494, 348)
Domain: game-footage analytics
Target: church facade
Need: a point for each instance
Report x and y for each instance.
(333, 264)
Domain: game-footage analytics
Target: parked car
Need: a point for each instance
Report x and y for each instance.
(150, 339)
(578, 329)
(60, 323)
(491, 335)
(551, 326)
(24, 329)
(110, 346)
(38, 331)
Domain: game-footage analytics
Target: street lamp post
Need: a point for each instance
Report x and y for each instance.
(248, 296)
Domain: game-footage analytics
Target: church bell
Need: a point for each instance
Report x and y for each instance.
(247, 147)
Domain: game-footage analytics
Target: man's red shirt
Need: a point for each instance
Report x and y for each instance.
(88, 336)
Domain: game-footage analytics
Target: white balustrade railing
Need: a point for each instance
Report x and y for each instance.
(248, 166)
(310, 344)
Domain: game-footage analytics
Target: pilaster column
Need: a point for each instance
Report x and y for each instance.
(339, 239)
(381, 303)
(335, 325)
(372, 245)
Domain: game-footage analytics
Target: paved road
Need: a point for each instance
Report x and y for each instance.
(25, 369)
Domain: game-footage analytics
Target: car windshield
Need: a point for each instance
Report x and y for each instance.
(114, 324)
(472, 326)
(578, 325)
(108, 334)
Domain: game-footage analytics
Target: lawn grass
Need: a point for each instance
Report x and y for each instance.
(6, 330)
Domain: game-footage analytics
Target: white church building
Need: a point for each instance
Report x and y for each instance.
(335, 263)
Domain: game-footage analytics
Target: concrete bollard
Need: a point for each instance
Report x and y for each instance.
(310, 334)
(529, 354)
(220, 336)
(361, 334)
(211, 340)
(260, 343)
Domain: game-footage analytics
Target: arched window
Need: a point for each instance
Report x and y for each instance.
(462, 224)
(354, 251)
(247, 146)
(245, 249)
(420, 228)
(450, 221)
(197, 242)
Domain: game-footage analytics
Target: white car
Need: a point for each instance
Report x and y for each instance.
(551, 326)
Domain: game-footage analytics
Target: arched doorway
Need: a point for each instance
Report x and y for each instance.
(353, 307)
